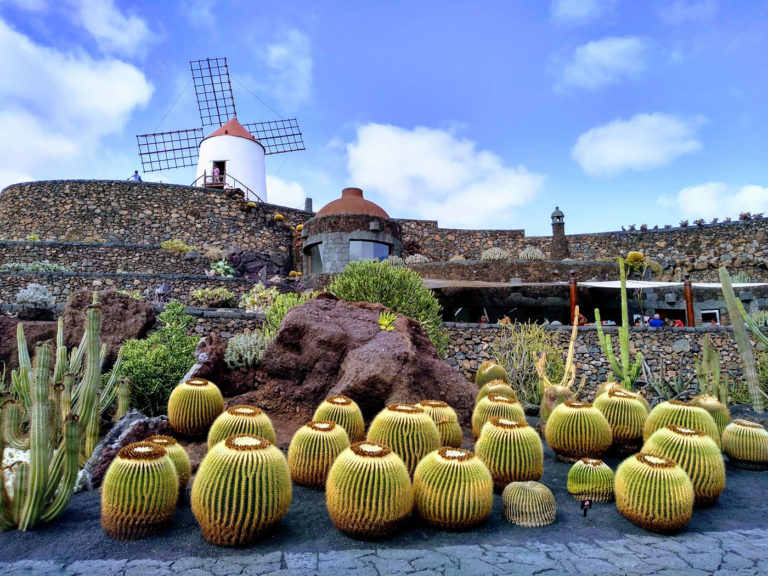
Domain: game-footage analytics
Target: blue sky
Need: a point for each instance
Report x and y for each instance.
(477, 114)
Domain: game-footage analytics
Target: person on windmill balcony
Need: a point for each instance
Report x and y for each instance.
(216, 175)
(135, 177)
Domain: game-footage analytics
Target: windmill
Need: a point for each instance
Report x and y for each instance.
(230, 156)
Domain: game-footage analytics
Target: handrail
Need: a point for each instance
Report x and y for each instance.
(226, 180)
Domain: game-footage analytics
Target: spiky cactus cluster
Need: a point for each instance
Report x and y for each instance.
(313, 450)
(193, 406)
(490, 370)
(746, 445)
(139, 493)
(578, 430)
(446, 420)
(591, 479)
(495, 405)
(368, 493)
(241, 419)
(552, 397)
(697, 454)
(178, 456)
(241, 490)
(681, 414)
(346, 413)
(452, 489)
(529, 504)
(496, 387)
(408, 430)
(626, 414)
(719, 411)
(511, 450)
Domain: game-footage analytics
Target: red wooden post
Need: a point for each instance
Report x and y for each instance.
(688, 289)
(573, 294)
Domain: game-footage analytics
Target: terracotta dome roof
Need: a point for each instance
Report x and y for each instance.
(352, 202)
(232, 128)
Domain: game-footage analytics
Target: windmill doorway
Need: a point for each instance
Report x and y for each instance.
(218, 174)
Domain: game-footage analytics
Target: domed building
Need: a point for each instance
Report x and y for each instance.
(348, 229)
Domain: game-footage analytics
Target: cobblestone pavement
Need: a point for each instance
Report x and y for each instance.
(742, 552)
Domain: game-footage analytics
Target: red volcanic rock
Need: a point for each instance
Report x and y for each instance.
(34, 332)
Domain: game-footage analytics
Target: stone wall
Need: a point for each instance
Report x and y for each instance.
(526, 270)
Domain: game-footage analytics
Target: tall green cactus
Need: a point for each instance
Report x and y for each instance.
(708, 372)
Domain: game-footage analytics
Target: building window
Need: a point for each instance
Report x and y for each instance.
(366, 250)
(315, 259)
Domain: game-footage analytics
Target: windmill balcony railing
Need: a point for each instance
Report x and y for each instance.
(226, 180)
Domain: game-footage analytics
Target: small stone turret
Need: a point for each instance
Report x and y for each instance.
(559, 248)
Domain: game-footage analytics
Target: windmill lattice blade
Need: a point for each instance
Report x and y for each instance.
(167, 150)
(277, 136)
(213, 90)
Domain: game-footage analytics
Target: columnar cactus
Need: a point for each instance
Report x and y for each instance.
(408, 430)
(746, 445)
(452, 489)
(578, 430)
(139, 493)
(552, 397)
(490, 370)
(241, 419)
(511, 450)
(681, 414)
(241, 490)
(496, 387)
(719, 411)
(193, 406)
(591, 479)
(346, 413)
(368, 493)
(626, 414)
(495, 405)
(654, 493)
(313, 450)
(529, 504)
(697, 454)
(178, 456)
(446, 421)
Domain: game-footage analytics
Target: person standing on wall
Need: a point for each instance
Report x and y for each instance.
(135, 177)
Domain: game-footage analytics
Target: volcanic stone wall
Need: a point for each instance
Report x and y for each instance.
(526, 270)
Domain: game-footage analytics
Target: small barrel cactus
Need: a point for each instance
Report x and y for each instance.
(578, 430)
(312, 451)
(346, 413)
(139, 493)
(654, 493)
(496, 387)
(609, 385)
(511, 450)
(452, 489)
(495, 405)
(490, 370)
(719, 411)
(178, 456)
(591, 479)
(241, 490)
(529, 504)
(193, 406)
(241, 419)
(368, 493)
(697, 454)
(408, 430)
(446, 421)
(746, 445)
(681, 414)
(626, 414)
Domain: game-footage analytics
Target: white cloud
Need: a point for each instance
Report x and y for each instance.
(681, 11)
(578, 11)
(282, 193)
(200, 13)
(718, 200)
(606, 61)
(289, 74)
(432, 174)
(115, 32)
(643, 142)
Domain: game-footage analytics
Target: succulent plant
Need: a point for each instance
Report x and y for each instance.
(511, 450)
(193, 406)
(494, 253)
(139, 493)
(241, 419)
(313, 450)
(368, 492)
(626, 414)
(531, 253)
(178, 456)
(654, 493)
(452, 489)
(241, 490)
(609, 385)
(746, 445)
(697, 454)
(490, 370)
(682, 414)
(346, 413)
(529, 504)
(495, 405)
(591, 479)
(578, 430)
(552, 397)
(408, 430)
(495, 387)
(719, 411)
(446, 421)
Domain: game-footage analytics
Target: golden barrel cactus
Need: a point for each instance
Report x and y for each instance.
(139, 493)
(746, 445)
(193, 406)
(719, 411)
(609, 385)
(591, 479)
(241, 490)
(452, 489)
(346, 413)
(313, 450)
(368, 493)
(495, 387)
(446, 421)
(408, 430)
(681, 414)
(178, 456)
(626, 414)
(578, 430)
(241, 419)
(490, 370)
(495, 405)
(529, 504)
(511, 450)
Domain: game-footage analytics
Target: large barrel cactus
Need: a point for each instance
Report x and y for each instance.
(609, 385)
(626, 414)
(654, 493)
(139, 493)
(578, 430)
(452, 489)
(746, 445)
(697, 454)
(368, 492)
(313, 450)
(193, 406)
(178, 456)
(511, 450)
(719, 411)
(346, 413)
(496, 387)
(681, 414)
(490, 370)
(408, 430)
(241, 419)
(529, 504)
(495, 405)
(446, 420)
(241, 490)
(591, 479)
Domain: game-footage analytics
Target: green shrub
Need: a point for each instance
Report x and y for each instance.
(43, 266)
(177, 246)
(214, 296)
(400, 289)
(223, 268)
(279, 308)
(259, 298)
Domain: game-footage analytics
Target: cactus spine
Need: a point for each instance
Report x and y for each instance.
(495, 405)
(681, 414)
(346, 413)
(511, 450)
(719, 411)
(313, 450)
(577, 430)
(178, 456)
(446, 421)
(626, 414)
(591, 479)
(241, 419)
(529, 504)
(193, 406)
(490, 370)
(408, 430)
(746, 445)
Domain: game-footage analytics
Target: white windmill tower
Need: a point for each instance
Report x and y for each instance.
(232, 156)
